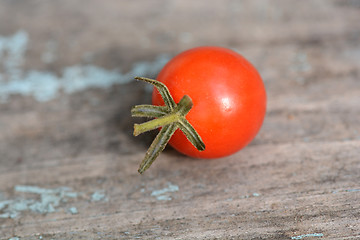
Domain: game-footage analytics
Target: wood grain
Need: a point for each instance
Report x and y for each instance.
(299, 179)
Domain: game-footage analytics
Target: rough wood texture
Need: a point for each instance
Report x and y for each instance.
(68, 161)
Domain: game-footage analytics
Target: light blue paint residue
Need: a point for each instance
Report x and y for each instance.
(346, 190)
(73, 210)
(163, 195)
(50, 200)
(99, 196)
(44, 86)
(353, 190)
(308, 235)
(14, 238)
(163, 198)
(255, 194)
(12, 51)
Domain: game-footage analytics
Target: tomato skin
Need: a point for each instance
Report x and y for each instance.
(228, 94)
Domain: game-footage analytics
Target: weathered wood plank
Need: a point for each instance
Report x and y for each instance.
(68, 160)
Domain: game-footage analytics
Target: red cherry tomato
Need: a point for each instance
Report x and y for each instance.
(228, 95)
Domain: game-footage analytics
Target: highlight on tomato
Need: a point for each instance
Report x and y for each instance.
(209, 102)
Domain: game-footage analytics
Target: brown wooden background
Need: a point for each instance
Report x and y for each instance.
(68, 161)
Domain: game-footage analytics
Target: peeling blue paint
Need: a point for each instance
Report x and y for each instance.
(50, 200)
(44, 86)
(12, 51)
(255, 194)
(346, 190)
(352, 190)
(99, 196)
(163, 194)
(73, 210)
(308, 235)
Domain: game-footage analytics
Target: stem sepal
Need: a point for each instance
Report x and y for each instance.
(169, 117)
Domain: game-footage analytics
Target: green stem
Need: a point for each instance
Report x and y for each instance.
(184, 106)
(163, 90)
(191, 134)
(169, 117)
(155, 123)
(157, 146)
(149, 111)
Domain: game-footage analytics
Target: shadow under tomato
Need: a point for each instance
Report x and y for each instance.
(120, 122)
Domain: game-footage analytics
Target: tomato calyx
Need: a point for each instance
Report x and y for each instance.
(169, 117)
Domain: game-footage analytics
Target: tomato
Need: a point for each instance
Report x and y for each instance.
(228, 95)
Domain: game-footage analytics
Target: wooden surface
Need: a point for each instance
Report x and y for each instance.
(68, 160)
